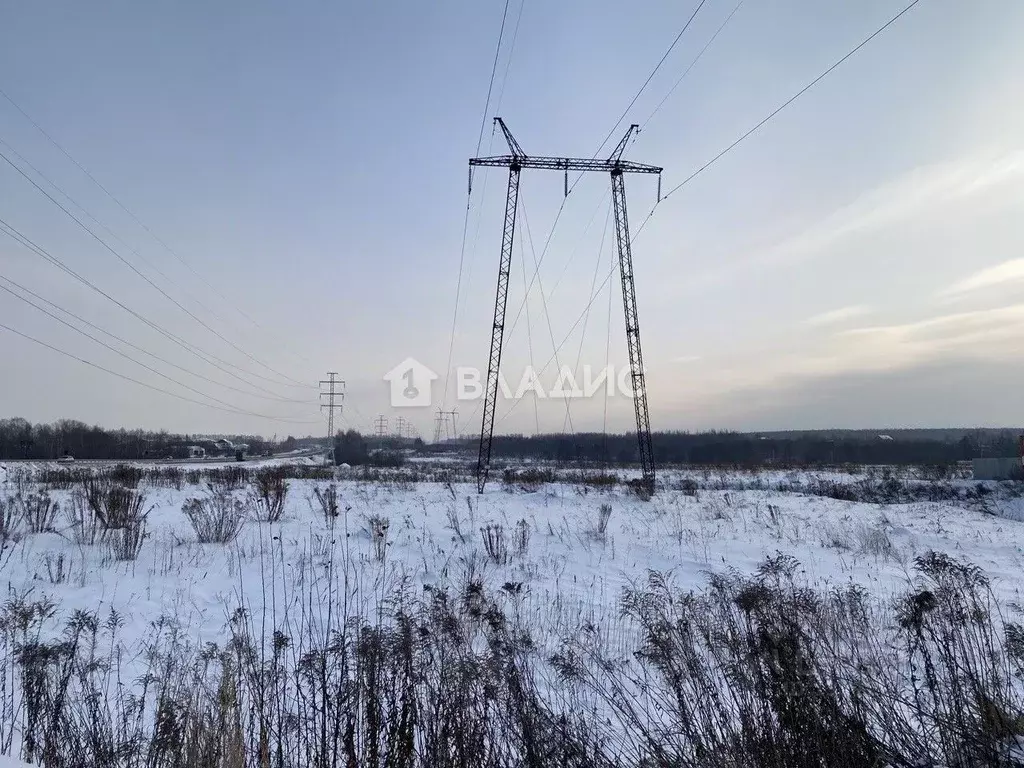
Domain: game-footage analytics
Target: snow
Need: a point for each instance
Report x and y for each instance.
(567, 570)
(570, 572)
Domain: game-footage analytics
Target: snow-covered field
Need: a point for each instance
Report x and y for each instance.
(569, 570)
(560, 555)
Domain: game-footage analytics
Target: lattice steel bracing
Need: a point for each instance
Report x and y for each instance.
(636, 358)
(483, 463)
(616, 166)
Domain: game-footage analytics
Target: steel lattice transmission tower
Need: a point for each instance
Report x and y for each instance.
(616, 167)
(331, 406)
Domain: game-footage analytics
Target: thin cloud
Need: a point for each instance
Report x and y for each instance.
(835, 316)
(922, 191)
(1011, 271)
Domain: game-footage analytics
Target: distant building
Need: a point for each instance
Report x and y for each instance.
(223, 445)
(196, 452)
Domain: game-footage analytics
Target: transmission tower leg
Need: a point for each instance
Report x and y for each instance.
(483, 463)
(636, 360)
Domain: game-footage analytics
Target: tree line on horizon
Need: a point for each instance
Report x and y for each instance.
(751, 449)
(21, 439)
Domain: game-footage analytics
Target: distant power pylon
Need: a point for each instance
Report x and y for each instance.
(381, 427)
(400, 426)
(616, 166)
(332, 383)
(444, 425)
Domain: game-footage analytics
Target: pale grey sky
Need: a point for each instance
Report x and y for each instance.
(857, 262)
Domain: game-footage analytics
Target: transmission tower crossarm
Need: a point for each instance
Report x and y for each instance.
(565, 164)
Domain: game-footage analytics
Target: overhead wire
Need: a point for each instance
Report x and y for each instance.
(650, 77)
(467, 279)
(593, 283)
(469, 201)
(129, 357)
(693, 63)
(789, 101)
(137, 381)
(544, 305)
(707, 165)
(133, 216)
(192, 349)
(110, 232)
(529, 336)
(156, 287)
(143, 350)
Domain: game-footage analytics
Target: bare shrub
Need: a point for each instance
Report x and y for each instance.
(874, 540)
(217, 518)
(641, 489)
(58, 567)
(10, 521)
(377, 526)
(230, 478)
(521, 537)
(125, 475)
(10, 528)
(269, 495)
(493, 536)
(38, 512)
(81, 519)
(327, 498)
(604, 514)
(126, 542)
(115, 506)
(527, 480)
(764, 671)
(455, 523)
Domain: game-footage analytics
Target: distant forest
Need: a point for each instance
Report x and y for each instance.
(938, 446)
(20, 439)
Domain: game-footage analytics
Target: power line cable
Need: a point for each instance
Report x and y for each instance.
(547, 314)
(618, 122)
(129, 357)
(136, 381)
(132, 215)
(789, 101)
(593, 283)
(732, 146)
(650, 77)
(152, 284)
(693, 63)
(469, 202)
(113, 234)
(143, 350)
(192, 349)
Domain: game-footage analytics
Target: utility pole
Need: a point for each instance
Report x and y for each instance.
(332, 382)
(614, 165)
